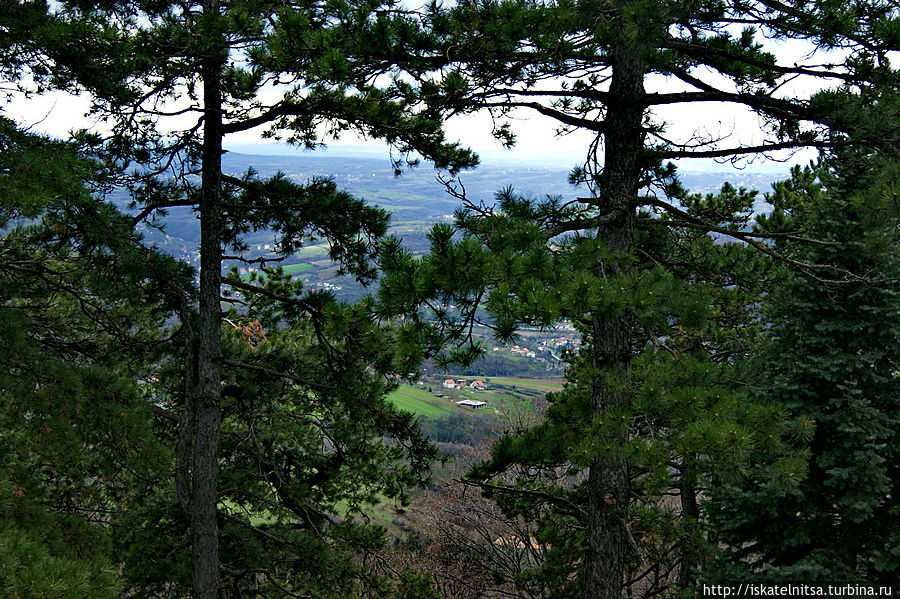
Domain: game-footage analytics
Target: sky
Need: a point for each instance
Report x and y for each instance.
(537, 143)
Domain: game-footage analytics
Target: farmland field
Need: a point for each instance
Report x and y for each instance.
(293, 269)
(541, 384)
(421, 402)
(537, 384)
(318, 251)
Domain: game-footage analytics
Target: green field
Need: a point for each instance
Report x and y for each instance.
(293, 269)
(501, 394)
(312, 251)
(288, 269)
(418, 401)
(543, 385)
(537, 384)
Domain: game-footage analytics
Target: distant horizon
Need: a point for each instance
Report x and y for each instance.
(500, 158)
(57, 114)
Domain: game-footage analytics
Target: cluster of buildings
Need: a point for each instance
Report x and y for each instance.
(325, 285)
(519, 351)
(462, 383)
(476, 385)
(567, 341)
(553, 345)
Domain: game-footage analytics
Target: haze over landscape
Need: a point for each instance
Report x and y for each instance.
(416, 199)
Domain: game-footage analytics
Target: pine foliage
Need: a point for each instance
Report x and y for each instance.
(82, 302)
(831, 356)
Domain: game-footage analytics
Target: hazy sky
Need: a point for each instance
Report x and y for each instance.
(57, 114)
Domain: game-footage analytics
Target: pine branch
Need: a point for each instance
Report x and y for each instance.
(308, 306)
(279, 374)
(565, 118)
(573, 509)
(158, 206)
(703, 54)
(262, 261)
(741, 150)
(581, 223)
(806, 267)
(677, 212)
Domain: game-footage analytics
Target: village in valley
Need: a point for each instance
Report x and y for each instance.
(548, 349)
(435, 396)
(507, 377)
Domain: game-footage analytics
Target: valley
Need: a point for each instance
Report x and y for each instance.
(416, 200)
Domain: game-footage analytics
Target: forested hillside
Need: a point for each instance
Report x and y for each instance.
(226, 375)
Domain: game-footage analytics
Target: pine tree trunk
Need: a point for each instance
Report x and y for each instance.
(690, 512)
(204, 530)
(611, 338)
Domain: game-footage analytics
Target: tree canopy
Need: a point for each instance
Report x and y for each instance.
(611, 69)
(169, 81)
(728, 360)
(830, 355)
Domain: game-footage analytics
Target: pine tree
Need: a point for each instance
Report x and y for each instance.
(831, 356)
(146, 65)
(81, 302)
(590, 67)
(688, 422)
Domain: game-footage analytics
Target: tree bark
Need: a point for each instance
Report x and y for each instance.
(690, 512)
(611, 337)
(204, 529)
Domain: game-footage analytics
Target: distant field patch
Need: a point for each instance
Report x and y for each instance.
(418, 401)
(312, 251)
(542, 384)
(288, 269)
(412, 225)
(538, 384)
(293, 269)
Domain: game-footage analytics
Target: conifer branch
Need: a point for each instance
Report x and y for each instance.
(279, 374)
(563, 117)
(573, 509)
(735, 152)
(806, 267)
(703, 54)
(262, 261)
(158, 206)
(586, 93)
(581, 224)
(308, 306)
(675, 211)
